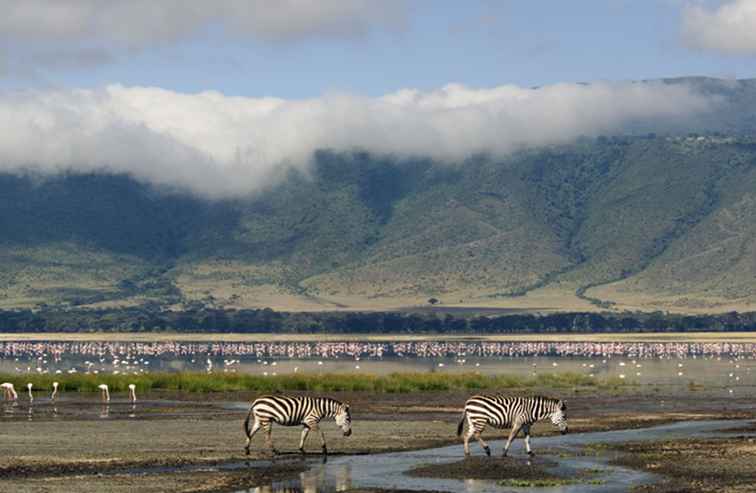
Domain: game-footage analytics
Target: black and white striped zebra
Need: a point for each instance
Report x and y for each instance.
(501, 411)
(294, 411)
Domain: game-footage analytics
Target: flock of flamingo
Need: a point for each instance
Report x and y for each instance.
(135, 355)
(10, 394)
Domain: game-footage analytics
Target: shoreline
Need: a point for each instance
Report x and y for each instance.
(650, 337)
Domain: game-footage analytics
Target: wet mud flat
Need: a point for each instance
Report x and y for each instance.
(186, 442)
(193, 480)
(695, 465)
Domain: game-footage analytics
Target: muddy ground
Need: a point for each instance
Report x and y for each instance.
(726, 465)
(80, 444)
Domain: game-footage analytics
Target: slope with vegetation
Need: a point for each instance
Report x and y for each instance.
(647, 221)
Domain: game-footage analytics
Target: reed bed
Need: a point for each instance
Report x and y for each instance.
(234, 382)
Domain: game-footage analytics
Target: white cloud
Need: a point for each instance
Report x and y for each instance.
(730, 28)
(46, 27)
(217, 145)
(140, 22)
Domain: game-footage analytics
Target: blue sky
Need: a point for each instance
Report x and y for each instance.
(425, 45)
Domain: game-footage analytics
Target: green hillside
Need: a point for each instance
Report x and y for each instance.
(647, 221)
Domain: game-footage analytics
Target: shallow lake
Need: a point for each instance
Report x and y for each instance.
(729, 365)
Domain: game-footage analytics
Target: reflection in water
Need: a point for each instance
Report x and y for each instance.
(9, 407)
(29, 413)
(318, 479)
(132, 414)
(105, 411)
(471, 484)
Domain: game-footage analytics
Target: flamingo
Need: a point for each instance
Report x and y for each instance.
(55, 391)
(29, 388)
(9, 393)
(132, 392)
(104, 392)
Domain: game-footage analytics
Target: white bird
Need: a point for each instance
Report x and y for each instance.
(9, 393)
(29, 388)
(132, 392)
(55, 391)
(104, 392)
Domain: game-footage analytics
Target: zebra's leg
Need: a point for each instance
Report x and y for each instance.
(268, 427)
(482, 443)
(512, 434)
(305, 432)
(252, 432)
(468, 435)
(526, 431)
(322, 440)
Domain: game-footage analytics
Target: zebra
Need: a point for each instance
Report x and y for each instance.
(293, 411)
(501, 411)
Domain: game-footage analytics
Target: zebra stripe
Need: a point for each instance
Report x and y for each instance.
(500, 411)
(293, 411)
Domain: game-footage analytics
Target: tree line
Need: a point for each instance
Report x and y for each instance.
(150, 318)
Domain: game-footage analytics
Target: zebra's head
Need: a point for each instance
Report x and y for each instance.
(344, 419)
(559, 416)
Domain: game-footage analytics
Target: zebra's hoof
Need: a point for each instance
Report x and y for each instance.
(488, 451)
(531, 454)
(301, 451)
(504, 454)
(246, 451)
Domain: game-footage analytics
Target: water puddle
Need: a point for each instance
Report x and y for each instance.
(388, 471)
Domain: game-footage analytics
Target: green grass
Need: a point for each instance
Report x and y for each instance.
(535, 483)
(225, 382)
(547, 483)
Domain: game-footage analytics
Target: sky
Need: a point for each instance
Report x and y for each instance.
(219, 97)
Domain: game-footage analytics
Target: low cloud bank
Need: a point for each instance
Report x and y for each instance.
(728, 29)
(221, 146)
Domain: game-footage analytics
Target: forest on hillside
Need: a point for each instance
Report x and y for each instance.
(144, 319)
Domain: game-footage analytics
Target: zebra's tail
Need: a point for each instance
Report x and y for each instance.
(461, 425)
(246, 422)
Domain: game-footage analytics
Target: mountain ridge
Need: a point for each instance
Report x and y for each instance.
(614, 222)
